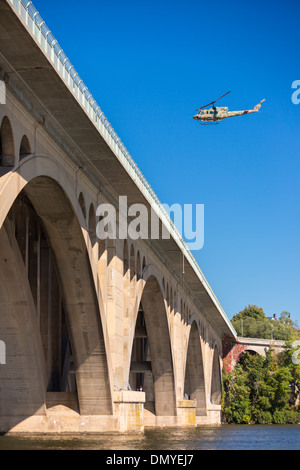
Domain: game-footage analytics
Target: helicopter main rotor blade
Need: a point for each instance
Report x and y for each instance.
(202, 107)
(223, 95)
(212, 102)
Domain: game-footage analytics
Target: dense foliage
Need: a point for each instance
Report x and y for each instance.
(263, 389)
(253, 323)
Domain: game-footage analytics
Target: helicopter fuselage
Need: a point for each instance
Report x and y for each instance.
(219, 113)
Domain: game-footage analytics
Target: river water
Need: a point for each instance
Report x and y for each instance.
(226, 437)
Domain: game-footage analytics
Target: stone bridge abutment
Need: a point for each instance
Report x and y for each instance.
(233, 350)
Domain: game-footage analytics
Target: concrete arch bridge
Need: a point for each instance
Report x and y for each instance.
(86, 322)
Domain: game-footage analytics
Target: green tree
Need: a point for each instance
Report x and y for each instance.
(263, 389)
(252, 311)
(236, 402)
(286, 360)
(253, 323)
(285, 318)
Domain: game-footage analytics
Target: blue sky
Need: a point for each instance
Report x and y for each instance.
(150, 65)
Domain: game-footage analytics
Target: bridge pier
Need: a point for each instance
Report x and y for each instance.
(129, 407)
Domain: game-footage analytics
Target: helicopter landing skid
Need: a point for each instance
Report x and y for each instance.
(208, 123)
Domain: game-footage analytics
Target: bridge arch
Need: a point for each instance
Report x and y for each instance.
(25, 148)
(250, 351)
(54, 206)
(155, 355)
(194, 383)
(7, 146)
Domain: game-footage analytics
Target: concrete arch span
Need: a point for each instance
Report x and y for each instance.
(159, 360)
(194, 383)
(66, 241)
(132, 308)
(93, 375)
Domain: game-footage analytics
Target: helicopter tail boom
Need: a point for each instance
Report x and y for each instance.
(257, 107)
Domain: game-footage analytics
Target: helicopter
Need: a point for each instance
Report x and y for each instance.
(214, 114)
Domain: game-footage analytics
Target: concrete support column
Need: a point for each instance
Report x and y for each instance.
(114, 307)
(178, 353)
(186, 412)
(129, 407)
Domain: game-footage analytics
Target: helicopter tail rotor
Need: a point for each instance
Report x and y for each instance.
(257, 107)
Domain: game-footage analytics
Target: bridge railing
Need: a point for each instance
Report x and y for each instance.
(37, 26)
